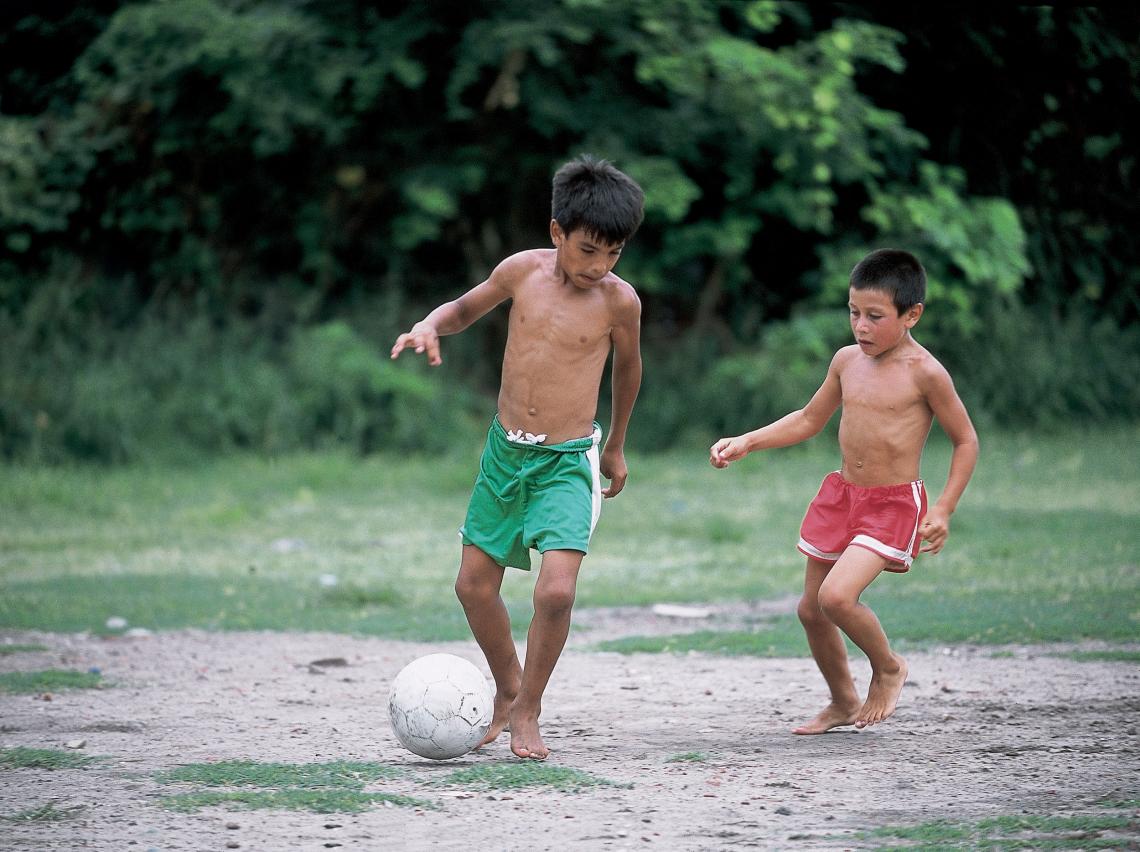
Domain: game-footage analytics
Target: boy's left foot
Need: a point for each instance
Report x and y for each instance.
(882, 695)
(501, 716)
(526, 739)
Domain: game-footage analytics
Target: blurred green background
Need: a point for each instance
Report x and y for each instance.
(215, 215)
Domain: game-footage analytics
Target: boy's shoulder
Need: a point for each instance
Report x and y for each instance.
(622, 292)
(915, 357)
(525, 261)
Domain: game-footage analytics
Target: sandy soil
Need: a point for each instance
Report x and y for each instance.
(976, 735)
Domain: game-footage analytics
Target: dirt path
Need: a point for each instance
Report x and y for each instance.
(976, 736)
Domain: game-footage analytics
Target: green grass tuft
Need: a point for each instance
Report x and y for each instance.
(1107, 655)
(1025, 831)
(42, 758)
(245, 773)
(334, 787)
(7, 650)
(321, 801)
(48, 812)
(50, 680)
(518, 775)
(688, 757)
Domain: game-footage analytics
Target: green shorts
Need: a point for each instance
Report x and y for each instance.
(533, 495)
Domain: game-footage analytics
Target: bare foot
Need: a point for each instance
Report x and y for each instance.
(832, 716)
(526, 740)
(882, 695)
(499, 718)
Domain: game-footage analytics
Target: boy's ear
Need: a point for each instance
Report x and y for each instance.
(913, 315)
(556, 234)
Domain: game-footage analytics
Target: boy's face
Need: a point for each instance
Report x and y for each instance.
(585, 260)
(876, 323)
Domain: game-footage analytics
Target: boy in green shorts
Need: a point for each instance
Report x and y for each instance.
(539, 481)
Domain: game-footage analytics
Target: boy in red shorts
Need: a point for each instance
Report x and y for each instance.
(871, 515)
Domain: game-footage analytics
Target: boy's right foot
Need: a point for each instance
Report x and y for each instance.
(526, 739)
(832, 716)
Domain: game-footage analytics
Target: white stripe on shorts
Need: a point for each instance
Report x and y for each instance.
(594, 458)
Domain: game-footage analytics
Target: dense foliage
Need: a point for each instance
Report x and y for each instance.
(215, 214)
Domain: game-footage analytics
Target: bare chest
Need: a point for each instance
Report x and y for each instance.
(569, 323)
(880, 389)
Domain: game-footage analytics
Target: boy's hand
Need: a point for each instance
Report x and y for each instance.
(934, 529)
(613, 468)
(727, 450)
(423, 338)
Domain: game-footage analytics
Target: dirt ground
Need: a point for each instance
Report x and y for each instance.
(979, 733)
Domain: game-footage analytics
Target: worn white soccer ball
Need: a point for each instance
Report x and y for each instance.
(440, 706)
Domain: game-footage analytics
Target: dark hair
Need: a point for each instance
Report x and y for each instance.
(893, 271)
(593, 195)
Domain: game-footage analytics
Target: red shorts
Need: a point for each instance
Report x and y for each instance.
(883, 519)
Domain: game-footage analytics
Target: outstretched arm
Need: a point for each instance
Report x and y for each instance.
(790, 429)
(955, 422)
(626, 336)
(454, 316)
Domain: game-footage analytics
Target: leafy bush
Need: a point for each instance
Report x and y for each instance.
(163, 386)
(1021, 368)
(1036, 369)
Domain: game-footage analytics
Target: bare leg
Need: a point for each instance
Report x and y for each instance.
(839, 600)
(553, 599)
(477, 587)
(830, 654)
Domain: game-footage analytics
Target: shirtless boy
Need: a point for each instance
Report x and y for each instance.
(538, 485)
(871, 515)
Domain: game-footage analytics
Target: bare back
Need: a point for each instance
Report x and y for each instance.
(886, 414)
(559, 337)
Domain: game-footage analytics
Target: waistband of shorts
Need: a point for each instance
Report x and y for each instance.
(900, 488)
(574, 445)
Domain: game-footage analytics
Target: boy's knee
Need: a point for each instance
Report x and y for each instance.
(835, 603)
(554, 598)
(469, 590)
(809, 611)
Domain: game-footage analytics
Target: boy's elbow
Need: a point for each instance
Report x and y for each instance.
(811, 425)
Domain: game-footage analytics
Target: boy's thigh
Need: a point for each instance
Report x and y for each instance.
(562, 513)
(854, 571)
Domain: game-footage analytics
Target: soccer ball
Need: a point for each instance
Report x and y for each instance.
(440, 706)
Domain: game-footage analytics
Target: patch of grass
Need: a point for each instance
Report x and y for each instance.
(1107, 655)
(242, 542)
(688, 757)
(1131, 804)
(49, 680)
(321, 801)
(1016, 832)
(42, 758)
(245, 602)
(48, 812)
(782, 637)
(518, 775)
(15, 648)
(333, 787)
(982, 614)
(247, 773)
(359, 596)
